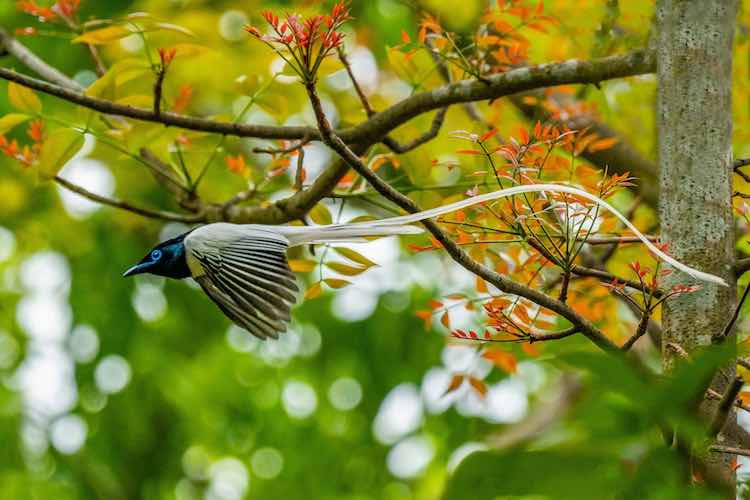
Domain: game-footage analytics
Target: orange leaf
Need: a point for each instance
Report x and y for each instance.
(425, 316)
(502, 359)
(524, 136)
(302, 265)
(405, 37)
(315, 291)
(469, 152)
(456, 382)
(602, 144)
(445, 319)
(487, 135)
(521, 311)
(435, 304)
(530, 349)
(478, 386)
(336, 283)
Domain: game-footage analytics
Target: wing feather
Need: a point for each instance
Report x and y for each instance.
(249, 278)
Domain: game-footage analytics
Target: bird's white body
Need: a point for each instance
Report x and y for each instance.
(243, 268)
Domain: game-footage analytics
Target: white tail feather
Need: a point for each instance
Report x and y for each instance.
(340, 233)
(537, 188)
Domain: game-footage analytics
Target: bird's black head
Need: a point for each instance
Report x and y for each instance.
(166, 259)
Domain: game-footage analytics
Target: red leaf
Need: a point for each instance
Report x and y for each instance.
(487, 135)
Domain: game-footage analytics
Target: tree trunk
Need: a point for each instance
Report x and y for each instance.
(694, 60)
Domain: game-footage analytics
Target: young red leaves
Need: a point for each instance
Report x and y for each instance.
(304, 43)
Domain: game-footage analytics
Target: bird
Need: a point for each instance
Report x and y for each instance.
(243, 268)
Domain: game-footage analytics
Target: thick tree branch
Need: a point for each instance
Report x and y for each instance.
(377, 127)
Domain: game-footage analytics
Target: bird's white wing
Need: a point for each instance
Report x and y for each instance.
(244, 270)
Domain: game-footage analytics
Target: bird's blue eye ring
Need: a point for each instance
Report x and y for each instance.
(156, 255)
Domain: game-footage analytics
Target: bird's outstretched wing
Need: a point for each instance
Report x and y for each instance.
(245, 272)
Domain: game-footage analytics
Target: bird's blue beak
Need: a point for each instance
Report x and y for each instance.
(141, 268)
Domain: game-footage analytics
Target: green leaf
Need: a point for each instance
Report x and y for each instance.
(354, 256)
(320, 215)
(345, 269)
(104, 35)
(24, 99)
(11, 121)
(555, 474)
(117, 75)
(57, 150)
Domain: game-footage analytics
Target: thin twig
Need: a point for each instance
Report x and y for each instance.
(639, 332)
(299, 175)
(741, 267)
(730, 449)
(717, 338)
(712, 394)
(357, 88)
(124, 205)
(391, 143)
(725, 406)
(437, 124)
(563, 297)
(282, 151)
(161, 73)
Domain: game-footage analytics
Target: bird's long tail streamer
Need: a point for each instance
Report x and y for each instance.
(534, 188)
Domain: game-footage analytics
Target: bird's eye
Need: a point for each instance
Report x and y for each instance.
(156, 255)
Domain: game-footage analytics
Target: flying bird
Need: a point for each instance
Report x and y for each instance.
(243, 268)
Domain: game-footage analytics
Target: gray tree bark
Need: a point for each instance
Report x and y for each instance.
(694, 68)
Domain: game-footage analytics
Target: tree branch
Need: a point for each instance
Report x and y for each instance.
(454, 250)
(725, 406)
(36, 64)
(124, 205)
(377, 127)
(741, 267)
